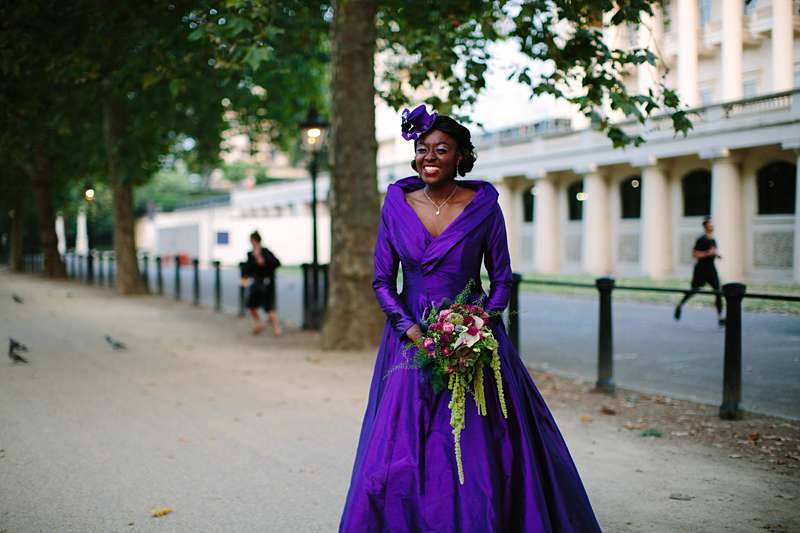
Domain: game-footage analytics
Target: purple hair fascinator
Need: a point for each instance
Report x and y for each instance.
(417, 122)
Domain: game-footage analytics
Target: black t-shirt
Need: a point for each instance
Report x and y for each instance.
(704, 244)
(258, 271)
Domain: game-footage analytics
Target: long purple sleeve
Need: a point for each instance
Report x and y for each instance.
(385, 281)
(498, 262)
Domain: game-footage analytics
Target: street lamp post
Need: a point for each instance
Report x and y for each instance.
(313, 130)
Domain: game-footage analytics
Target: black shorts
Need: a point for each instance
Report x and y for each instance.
(261, 294)
(705, 274)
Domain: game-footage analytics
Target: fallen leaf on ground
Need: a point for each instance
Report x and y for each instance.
(313, 359)
(633, 425)
(164, 511)
(606, 410)
(754, 436)
(586, 418)
(680, 497)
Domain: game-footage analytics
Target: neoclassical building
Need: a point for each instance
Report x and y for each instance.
(574, 204)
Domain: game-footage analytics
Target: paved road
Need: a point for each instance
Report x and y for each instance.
(652, 352)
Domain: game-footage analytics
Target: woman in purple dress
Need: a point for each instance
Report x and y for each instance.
(519, 476)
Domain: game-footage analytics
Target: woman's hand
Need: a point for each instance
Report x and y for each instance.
(414, 332)
(243, 282)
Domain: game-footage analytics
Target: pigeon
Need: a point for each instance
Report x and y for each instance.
(115, 344)
(13, 347)
(17, 298)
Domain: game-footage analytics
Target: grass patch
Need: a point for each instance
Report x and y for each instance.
(700, 300)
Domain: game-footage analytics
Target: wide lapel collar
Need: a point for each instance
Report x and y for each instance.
(474, 215)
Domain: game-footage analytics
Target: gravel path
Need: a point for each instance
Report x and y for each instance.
(237, 433)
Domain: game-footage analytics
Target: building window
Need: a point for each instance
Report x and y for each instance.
(631, 193)
(527, 204)
(749, 7)
(705, 12)
(697, 193)
(750, 88)
(706, 97)
(223, 238)
(575, 199)
(797, 75)
(776, 184)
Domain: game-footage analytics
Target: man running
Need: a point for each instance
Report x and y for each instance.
(705, 251)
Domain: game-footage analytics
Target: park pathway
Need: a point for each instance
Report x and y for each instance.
(238, 433)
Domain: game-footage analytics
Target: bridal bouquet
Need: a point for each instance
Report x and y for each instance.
(456, 346)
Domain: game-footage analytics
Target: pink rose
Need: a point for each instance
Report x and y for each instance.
(472, 330)
(447, 327)
(446, 350)
(429, 343)
(443, 313)
(468, 320)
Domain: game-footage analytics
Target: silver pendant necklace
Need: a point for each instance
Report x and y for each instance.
(440, 206)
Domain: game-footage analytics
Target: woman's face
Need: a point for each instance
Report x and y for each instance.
(255, 243)
(436, 157)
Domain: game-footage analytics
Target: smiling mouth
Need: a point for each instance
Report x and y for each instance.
(430, 170)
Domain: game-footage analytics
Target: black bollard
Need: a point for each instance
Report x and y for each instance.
(196, 281)
(513, 311)
(146, 272)
(111, 271)
(177, 277)
(605, 338)
(90, 268)
(325, 283)
(101, 280)
(307, 296)
(732, 371)
(241, 290)
(159, 277)
(217, 287)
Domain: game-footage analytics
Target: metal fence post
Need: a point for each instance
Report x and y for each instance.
(111, 270)
(324, 304)
(241, 290)
(177, 277)
(146, 272)
(217, 287)
(605, 338)
(732, 371)
(101, 279)
(80, 267)
(90, 267)
(513, 311)
(196, 281)
(307, 296)
(159, 277)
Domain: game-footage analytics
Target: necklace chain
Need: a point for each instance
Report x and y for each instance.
(443, 204)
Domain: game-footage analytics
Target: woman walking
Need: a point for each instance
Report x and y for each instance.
(260, 267)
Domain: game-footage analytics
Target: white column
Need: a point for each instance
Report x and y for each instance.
(731, 55)
(548, 226)
(650, 36)
(511, 204)
(596, 224)
(656, 235)
(797, 219)
(688, 15)
(782, 45)
(62, 242)
(727, 214)
(82, 236)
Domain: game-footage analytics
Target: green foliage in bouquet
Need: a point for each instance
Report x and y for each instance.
(458, 343)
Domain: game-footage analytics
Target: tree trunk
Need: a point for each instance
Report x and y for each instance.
(128, 279)
(16, 257)
(41, 176)
(353, 319)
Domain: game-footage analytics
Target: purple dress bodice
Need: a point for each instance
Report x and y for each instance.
(438, 267)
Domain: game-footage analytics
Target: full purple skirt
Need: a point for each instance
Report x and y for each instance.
(519, 476)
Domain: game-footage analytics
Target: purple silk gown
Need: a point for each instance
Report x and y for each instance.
(519, 476)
